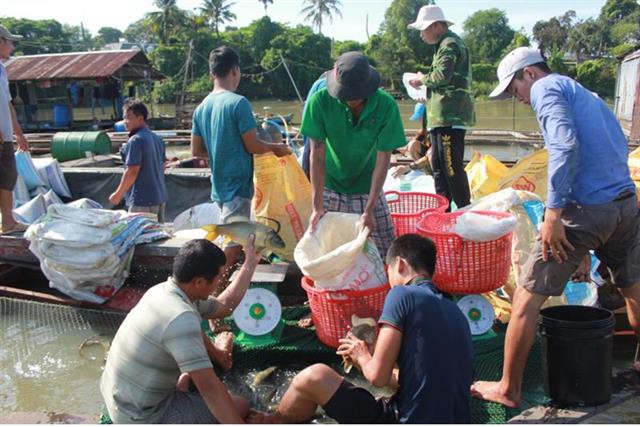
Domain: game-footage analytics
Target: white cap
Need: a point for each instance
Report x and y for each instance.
(515, 61)
(427, 16)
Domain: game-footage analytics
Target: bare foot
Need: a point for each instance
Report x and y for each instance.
(636, 367)
(259, 417)
(222, 353)
(183, 383)
(217, 326)
(492, 392)
(305, 322)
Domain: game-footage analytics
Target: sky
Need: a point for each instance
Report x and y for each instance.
(94, 14)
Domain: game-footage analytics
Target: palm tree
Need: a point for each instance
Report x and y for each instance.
(266, 3)
(168, 17)
(217, 12)
(317, 10)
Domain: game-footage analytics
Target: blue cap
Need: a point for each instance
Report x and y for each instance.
(418, 112)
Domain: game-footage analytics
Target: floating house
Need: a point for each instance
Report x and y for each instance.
(77, 90)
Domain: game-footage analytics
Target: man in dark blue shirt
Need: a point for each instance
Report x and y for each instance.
(144, 156)
(427, 337)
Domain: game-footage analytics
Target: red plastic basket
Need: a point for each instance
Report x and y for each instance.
(464, 266)
(331, 311)
(407, 209)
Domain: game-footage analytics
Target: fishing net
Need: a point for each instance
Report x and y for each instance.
(34, 323)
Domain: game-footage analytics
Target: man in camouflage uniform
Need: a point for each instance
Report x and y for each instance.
(450, 109)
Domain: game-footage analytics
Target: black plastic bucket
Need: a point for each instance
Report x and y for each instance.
(577, 350)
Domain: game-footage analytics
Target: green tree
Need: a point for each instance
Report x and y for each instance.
(307, 54)
(168, 20)
(266, 4)
(217, 12)
(519, 39)
(487, 33)
(340, 47)
(140, 32)
(318, 11)
(598, 75)
(397, 49)
(552, 34)
(107, 35)
(587, 38)
(40, 36)
(614, 11)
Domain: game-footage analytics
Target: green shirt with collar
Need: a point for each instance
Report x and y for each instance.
(449, 95)
(352, 147)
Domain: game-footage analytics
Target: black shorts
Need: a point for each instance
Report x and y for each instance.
(355, 405)
(8, 171)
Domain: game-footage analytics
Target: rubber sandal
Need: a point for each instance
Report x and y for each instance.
(18, 228)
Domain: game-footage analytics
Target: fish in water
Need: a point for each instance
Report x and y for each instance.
(239, 232)
(263, 375)
(363, 329)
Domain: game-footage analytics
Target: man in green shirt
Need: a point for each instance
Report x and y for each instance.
(353, 127)
(449, 98)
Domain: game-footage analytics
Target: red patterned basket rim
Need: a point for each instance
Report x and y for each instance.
(437, 215)
(308, 285)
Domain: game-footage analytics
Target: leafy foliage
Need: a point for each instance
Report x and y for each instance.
(487, 33)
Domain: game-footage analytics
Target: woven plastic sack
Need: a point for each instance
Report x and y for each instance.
(282, 198)
(529, 174)
(484, 173)
(28, 170)
(50, 171)
(20, 193)
(31, 211)
(340, 255)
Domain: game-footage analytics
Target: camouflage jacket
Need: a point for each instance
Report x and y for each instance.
(448, 81)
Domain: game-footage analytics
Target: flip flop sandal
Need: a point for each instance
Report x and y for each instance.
(19, 228)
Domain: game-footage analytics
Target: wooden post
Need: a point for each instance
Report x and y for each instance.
(70, 104)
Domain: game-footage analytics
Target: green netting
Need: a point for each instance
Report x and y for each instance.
(301, 346)
(489, 357)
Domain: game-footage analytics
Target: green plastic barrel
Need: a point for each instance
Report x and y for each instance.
(73, 145)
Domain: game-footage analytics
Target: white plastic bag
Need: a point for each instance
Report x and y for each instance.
(340, 255)
(197, 216)
(415, 94)
(482, 228)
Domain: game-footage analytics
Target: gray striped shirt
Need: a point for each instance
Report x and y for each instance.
(159, 339)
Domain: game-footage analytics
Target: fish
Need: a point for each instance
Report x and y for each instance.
(263, 375)
(363, 329)
(239, 232)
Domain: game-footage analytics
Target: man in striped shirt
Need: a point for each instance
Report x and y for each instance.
(160, 340)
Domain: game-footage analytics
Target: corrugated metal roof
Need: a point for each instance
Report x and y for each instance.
(130, 64)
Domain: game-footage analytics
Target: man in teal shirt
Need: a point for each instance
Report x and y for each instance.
(353, 127)
(225, 131)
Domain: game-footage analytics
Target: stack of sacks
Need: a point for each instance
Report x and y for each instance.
(86, 253)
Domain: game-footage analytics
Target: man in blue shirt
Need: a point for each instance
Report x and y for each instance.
(426, 335)
(225, 131)
(591, 205)
(144, 154)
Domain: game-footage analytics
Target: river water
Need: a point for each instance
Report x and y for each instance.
(490, 114)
